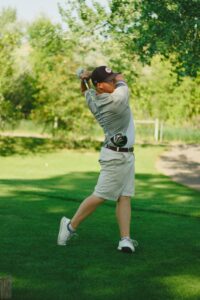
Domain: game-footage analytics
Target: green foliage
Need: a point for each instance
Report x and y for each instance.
(46, 37)
(8, 17)
(7, 113)
(153, 88)
(169, 28)
(37, 73)
(156, 93)
(22, 94)
(86, 26)
(29, 145)
(181, 134)
(58, 101)
(9, 41)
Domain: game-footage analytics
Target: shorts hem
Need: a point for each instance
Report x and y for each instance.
(128, 195)
(105, 197)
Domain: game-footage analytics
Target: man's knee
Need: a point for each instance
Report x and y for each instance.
(124, 198)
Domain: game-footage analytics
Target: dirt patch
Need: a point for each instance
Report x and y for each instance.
(182, 164)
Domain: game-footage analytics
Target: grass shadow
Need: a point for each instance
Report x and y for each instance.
(154, 192)
(31, 145)
(164, 267)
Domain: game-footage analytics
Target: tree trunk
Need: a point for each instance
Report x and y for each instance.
(5, 288)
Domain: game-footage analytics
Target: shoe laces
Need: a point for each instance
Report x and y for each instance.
(134, 242)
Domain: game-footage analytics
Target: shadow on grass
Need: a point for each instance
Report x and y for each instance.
(164, 266)
(29, 145)
(32, 145)
(154, 192)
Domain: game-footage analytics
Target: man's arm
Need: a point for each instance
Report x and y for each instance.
(120, 95)
(85, 76)
(89, 94)
(119, 81)
(119, 77)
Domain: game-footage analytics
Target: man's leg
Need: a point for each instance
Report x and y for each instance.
(85, 209)
(67, 226)
(123, 214)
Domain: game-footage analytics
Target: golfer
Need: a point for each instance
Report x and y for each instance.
(109, 103)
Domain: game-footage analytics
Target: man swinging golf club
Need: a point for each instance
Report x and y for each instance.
(109, 103)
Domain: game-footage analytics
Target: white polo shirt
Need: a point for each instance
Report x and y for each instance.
(113, 113)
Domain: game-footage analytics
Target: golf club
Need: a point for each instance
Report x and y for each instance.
(79, 72)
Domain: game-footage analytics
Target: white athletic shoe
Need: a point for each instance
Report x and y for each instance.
(127, 245)
(64, 234)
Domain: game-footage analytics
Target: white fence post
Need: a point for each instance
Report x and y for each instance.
(161, 131)
(157, 130)
(55, 124)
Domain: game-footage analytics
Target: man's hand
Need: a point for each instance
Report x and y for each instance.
(118, 77)
(85, 75)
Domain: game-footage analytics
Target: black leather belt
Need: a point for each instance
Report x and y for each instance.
(118, 149)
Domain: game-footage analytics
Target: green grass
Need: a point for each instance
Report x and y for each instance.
(181, 134)
(36, 190)
(144, 133)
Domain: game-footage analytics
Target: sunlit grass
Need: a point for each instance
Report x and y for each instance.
(36, 190)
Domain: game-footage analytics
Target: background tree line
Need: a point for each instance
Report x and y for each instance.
(155, 45)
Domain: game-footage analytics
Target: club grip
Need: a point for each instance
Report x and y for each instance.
(79, 72)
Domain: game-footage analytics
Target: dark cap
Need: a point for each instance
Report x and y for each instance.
(102, 74)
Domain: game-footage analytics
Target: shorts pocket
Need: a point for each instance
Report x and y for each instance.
(110, 155)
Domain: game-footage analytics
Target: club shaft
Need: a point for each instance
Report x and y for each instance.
(86, 84)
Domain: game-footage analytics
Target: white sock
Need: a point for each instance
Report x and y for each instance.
(71, 229)
(125, 238)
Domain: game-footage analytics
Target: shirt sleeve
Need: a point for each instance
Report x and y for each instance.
(120, 83)
(121, 93)
(90, 95)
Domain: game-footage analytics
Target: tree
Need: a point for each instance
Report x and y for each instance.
(8, 17)
(21, 95)
(166, 27)
(112, 34)
(9, 40)
(58, 102)
(157, 94)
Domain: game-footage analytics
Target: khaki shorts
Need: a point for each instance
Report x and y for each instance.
(116, 176)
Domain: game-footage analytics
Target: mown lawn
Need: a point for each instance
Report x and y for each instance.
(37, 190)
